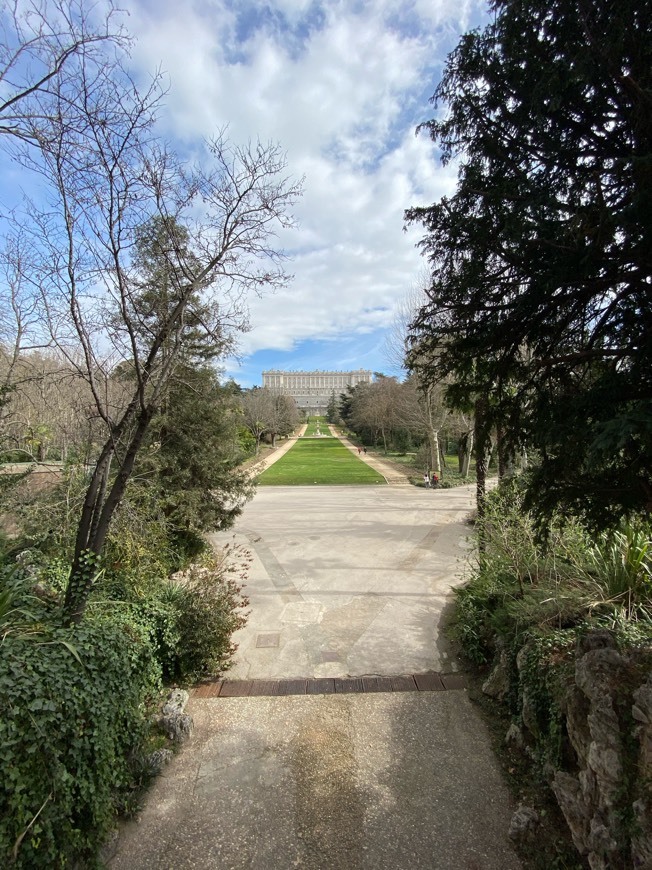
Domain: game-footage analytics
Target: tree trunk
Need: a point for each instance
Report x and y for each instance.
(96, 517)
(481, 436)
(468, 451)
(92, 499)
(435, 450)
(500, 446)
(506, 460)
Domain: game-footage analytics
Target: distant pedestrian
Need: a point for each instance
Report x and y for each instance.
(426, 480)
(435, 480)
(364, 449)
(359, 451)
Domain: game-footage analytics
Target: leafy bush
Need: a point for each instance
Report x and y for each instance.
(616, 572)
(159, 616)
(15, 617)
(75, 702)
(139, 553)
(188, 622)
(210, 605)
(189, 618)
(545, 675)
(71, 734)
(480, 605)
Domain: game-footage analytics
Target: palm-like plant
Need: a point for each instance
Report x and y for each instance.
(619, 567)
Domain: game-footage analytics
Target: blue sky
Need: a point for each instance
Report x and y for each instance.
(341, 85)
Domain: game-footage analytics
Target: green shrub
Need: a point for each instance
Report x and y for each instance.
(211, 607)
(615, 572)
(523, 581)
(16, 617)
(479, 603)
(74, 728)
(70, 734)
(189, 619)
(159, 616)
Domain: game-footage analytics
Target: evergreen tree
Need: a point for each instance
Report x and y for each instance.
(164, 263)
(542, 259)
(332, 410)
(345, 406)
(192, 455)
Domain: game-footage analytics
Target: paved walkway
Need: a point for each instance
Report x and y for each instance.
(380, 782)
(271, 458)
(391, 474)
(345, 583)
(349, 580)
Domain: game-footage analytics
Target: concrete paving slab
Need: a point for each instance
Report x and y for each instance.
(398, 781)
(359, 571)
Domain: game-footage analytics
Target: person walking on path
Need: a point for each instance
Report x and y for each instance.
(426, 480)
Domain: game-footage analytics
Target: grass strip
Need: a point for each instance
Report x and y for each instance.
(319, 461)
(316, 424)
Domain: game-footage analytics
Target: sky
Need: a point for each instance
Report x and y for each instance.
(341, 85)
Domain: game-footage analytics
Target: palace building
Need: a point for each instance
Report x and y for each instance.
(312, 390)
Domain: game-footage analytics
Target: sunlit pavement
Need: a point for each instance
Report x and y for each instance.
(344, 581)
(349, 580)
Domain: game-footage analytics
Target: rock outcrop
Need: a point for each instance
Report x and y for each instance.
(176, 724)
(604, 788)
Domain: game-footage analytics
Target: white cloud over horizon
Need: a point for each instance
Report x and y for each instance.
(341, 86)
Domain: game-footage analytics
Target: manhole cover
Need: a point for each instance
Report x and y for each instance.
(269, 639)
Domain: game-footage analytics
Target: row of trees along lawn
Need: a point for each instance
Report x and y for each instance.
(269, 413)
(405, 416)
(538, 309)
(46, 409)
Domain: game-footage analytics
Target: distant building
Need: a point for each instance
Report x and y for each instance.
(312, 390)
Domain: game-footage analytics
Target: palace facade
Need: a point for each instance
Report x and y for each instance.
(312, 390)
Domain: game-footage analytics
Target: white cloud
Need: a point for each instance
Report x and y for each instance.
(340, 84)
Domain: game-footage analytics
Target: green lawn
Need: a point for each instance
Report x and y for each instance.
(315, 423)
(319, 460)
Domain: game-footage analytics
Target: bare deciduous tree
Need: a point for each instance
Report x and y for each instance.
(429, 413)
(256, 410)
(376, 406)
(106, 177)
(284, 418)
(423, 412)
(44, 44)
(266, 412)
